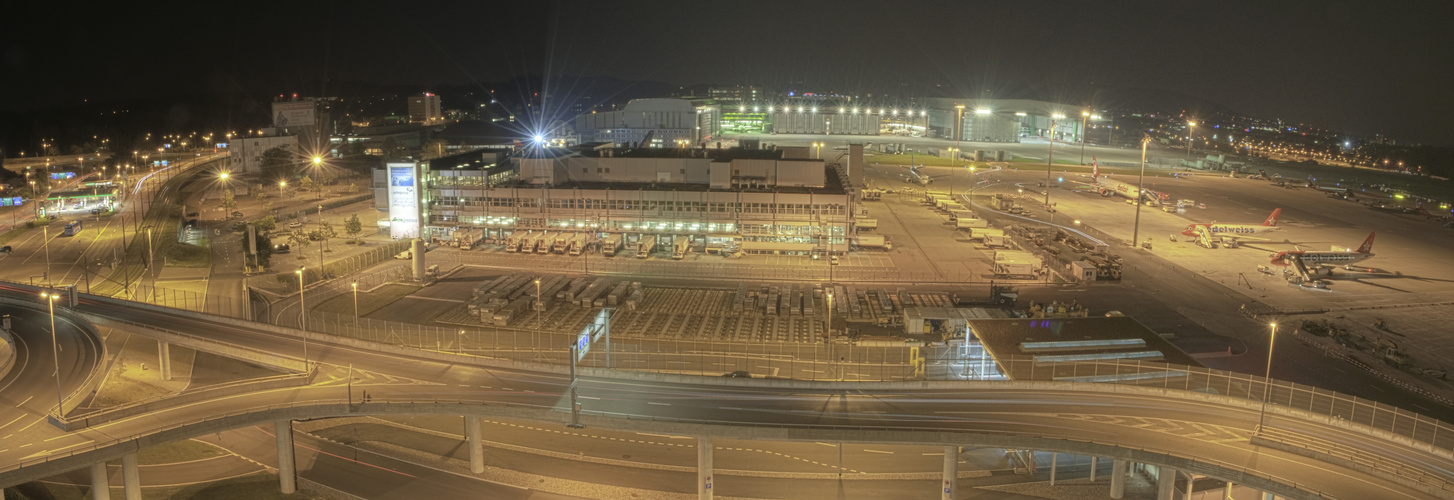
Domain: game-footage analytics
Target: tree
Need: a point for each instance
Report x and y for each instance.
(353, 227)
(352, 187)
(266, 224)
(326, 232)
(306, 184)
(435, 148)
(268, 206)
(264, 248)
(228, 201)
(299, 238)
(259, 193)
(278, 163)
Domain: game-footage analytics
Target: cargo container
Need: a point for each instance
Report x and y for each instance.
(873, 241)
(970, 223)
(544, 242)
(867, 224)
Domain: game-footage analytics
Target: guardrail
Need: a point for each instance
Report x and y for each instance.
(104, 415)
(325, 408)
(72, 400)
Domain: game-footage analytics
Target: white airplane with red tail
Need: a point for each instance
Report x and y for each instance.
(1335, 257)
(1107, 187)
(1237, 230)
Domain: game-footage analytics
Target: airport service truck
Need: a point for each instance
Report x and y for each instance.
(1015, 263)
(867, 224)
(873, 241)
(543, 243)
(645, 246)
(681, 247)
(994, 238)
(562, 242)
(611, 245)
(577, 244)
(960, 213)
(512, 242)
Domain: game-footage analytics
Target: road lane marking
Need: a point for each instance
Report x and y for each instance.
(830, 445)
(878, 451)
(658, 404)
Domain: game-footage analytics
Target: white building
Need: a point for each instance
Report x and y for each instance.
(247, 152)
(666, 121)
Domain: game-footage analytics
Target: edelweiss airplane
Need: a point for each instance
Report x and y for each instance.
(1238, 230)
(1313, 258)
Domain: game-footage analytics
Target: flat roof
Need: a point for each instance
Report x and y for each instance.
(727, 154)
(1049, 349)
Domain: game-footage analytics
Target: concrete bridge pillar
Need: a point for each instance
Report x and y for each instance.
(1166, 483)
(287, 468)
(951, 472)
(164, 359)
(704, 468)
(130, 477)
(477, 445)
(1118, 478)
(100, 484)
(1054, 464)
(1268, 496)
(1093, 468)
(1227, 491)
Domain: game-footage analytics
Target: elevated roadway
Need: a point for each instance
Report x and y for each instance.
(1191, 431)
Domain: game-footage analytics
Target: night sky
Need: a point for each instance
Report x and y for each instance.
(1355, 66)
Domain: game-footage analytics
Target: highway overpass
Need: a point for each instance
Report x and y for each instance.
(1303, 451)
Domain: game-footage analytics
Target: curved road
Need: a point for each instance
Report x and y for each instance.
(28, 393)
(1039, 416)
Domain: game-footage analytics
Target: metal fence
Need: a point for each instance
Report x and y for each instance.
(795, 360)
(725, 269)
(1319, 401)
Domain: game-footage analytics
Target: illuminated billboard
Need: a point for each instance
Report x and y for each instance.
(403, 200)
(293, 114)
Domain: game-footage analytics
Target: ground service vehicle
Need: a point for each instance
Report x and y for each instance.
(645, 246)
(681, 247)
(611, 245)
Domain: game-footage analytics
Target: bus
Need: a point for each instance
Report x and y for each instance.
(73, 227)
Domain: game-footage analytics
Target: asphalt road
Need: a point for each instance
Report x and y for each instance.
(28, 392)
(1219, 434)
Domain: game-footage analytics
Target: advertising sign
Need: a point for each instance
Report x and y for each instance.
(403, 201)
(293, 114)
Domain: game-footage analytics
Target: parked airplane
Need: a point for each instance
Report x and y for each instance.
(1107, 187)
(1314, 258)
(920, 178)
(1240, 230)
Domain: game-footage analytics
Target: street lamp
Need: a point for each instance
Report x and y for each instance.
(953, 154)
(1140, 192)
(304, 319)
(1190, 127)
(1267, 379)
(318, 165)
(355, 303)
(972, 182)
(55, 349)
(958, 135)
(1084, 118)
(1049, 158)
(538, 307)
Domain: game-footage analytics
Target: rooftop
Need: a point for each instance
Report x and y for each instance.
(1049, 349)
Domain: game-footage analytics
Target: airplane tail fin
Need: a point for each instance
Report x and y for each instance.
(1095, 168)
(1272, 219)
(1367, 244)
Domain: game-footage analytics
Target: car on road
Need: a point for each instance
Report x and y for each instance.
(738, 374)
(193, 214)
(95, 211)
(236, 214)
(5, 249)
(295, 225)
(281, 248)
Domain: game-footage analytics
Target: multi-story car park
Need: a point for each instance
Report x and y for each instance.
(777, 201)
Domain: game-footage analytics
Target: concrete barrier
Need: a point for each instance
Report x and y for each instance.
(271, 360)
(101, 416)
(7, 352)
(93, 380)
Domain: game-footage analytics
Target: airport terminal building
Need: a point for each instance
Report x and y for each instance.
(777, 201)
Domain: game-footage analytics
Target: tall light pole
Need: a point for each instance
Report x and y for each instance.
(953, 153)
(355, 303)
(538, 307)
(1190, 127)
(958, 135)
(1140, 187)
(303, 320)
(1267, 379)
(1049, 158)
(321, 241)
(1084, 120)
(318, 168)
(972, 182)
(55, 349)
